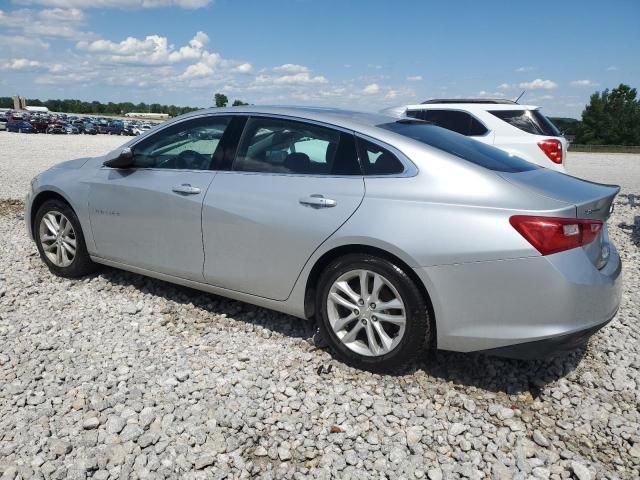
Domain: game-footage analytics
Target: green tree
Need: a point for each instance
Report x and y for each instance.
(611, 118)
(238, 103)
(221, 100)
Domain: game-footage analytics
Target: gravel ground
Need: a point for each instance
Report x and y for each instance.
(24, 156)
(121, 376)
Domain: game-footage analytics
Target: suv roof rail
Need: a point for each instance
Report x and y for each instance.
(470, 100)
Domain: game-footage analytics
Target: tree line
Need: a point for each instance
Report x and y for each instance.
(612, 117)
(99, 108)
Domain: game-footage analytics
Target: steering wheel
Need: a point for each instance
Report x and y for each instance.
(192, 160)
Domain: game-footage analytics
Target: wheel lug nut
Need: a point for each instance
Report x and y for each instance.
(374, 318)
(356, 311)
(364, 321)
(361, 302)
(372, 306)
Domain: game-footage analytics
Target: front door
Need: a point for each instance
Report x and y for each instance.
(291, 186)
(149, 216)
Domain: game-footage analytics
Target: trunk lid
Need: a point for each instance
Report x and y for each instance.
(591, 200)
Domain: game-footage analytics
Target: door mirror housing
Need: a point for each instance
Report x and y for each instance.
(123, 160)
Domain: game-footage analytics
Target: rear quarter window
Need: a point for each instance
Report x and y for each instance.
(465, 148)
(530, 121)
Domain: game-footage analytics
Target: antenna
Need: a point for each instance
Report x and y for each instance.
(520, 96)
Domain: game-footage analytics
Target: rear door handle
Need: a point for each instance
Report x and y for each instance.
(186, 189)
(317, 201)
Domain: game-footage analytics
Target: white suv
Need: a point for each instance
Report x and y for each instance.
(521, 130)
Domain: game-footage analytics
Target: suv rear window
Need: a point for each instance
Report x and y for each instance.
(454, 120)
(530, 121)
(465, 148)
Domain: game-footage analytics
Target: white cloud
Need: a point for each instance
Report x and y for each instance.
(612, 68)
(152, 50)
(302, 78)
(128, 4)
(524, 69)
(291, 68)
(243, 68)
(414, 78)
(20, 64)
(538, 84)
(583, 83)
(504, 86)
(371, 89)
(484, 93)
(48, 23)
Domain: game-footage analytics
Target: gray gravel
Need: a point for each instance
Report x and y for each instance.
(24, 156)
(121, 376)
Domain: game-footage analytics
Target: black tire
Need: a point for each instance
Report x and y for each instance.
(419, 328)
(81, 264)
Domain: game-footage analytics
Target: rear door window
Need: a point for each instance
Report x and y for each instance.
(454, 120)
(530, 121)
(274, 145)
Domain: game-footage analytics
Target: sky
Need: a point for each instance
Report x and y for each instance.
(360, 54)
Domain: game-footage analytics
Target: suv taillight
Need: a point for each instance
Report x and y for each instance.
(554, 234)
(552, 148)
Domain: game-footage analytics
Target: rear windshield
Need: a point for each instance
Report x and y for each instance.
(530, 121)
(465, 148)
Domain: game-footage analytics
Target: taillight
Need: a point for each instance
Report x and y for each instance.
(553, 234)
(552, 148)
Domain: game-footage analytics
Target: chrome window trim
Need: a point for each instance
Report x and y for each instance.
(488, 130)
(410, 169)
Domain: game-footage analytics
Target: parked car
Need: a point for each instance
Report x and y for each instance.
(56, 129)
(397, 236)
(116, 128)
(39, 124)
(20, 126)
(103, 127)
(3, 122)
(521, 130)
(71, 129)
(89, 128)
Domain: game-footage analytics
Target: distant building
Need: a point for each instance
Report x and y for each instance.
(37, 109)
(20, 103)
(155, 116)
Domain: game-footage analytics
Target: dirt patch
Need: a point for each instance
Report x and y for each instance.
(11, 207)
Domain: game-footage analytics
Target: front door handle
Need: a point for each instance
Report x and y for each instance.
(317, 201)
(186, 189)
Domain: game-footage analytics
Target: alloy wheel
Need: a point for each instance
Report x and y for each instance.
(58, 238)
(366, 312)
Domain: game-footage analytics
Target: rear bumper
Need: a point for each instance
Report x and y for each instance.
(548, 347)
(549, 303)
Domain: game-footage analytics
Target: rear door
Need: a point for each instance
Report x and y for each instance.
(291, 186)
(149, 216)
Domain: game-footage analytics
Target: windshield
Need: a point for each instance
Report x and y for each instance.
(465, 148)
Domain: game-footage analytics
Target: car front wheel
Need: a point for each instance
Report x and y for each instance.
(60, 241)
(372, 313)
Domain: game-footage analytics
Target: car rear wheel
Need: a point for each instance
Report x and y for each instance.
(372, 313)
(60, 240)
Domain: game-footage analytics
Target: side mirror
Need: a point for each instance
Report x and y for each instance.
(124, 160)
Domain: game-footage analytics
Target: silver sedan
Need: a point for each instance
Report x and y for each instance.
(396, 236)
